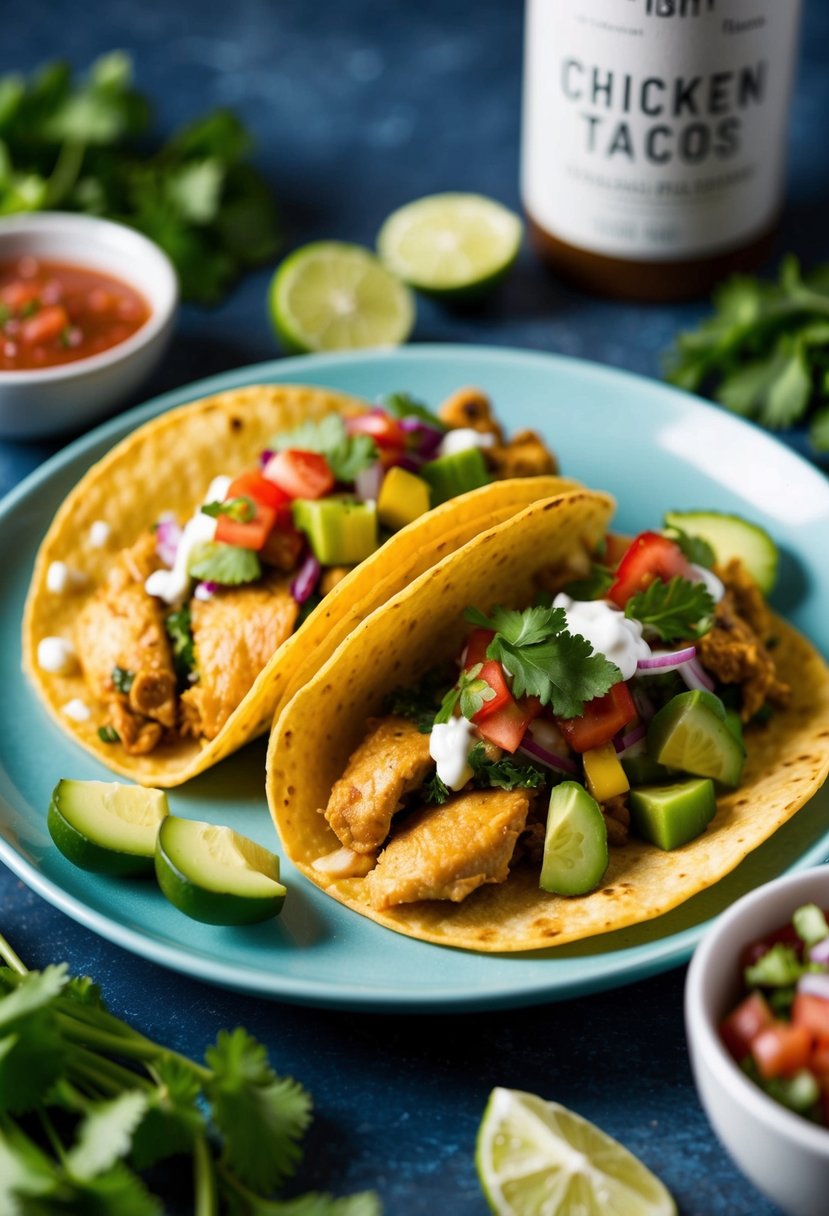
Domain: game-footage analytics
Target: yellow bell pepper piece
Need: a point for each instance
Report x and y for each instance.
(603, 773)
(403, 497)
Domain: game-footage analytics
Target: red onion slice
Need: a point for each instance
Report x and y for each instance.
(814, 984)
(427, 439)
(265, 456)
(167, 537)
(695, 676)
(306, 579)
(623, 743)
(548, 759)
(819, 953)
(666, 660)
(367, 483)
(205, 591)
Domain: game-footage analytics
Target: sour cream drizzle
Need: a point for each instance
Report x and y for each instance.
(607, 629)
(173, 585)
(449, 746)
(462, 438)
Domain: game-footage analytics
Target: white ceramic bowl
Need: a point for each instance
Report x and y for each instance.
(783, 1154)
(56, 400)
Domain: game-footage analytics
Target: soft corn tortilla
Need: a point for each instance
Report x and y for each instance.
(315, 734)
(167, 465)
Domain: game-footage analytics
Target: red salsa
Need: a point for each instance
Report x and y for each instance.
(52, 313)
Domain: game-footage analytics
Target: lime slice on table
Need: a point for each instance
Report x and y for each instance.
(215, 874)
(333, 296)
(536, 1158)
(451, 244)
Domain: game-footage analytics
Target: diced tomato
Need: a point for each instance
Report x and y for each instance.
(813, 1013)
(476, 646)
(253, 485)
(389, 457)
(602, 718)
(300, 474)
(45, 325)
(493, 674)
(781, 1049)
(649, 556)
(508, 725)
(819, 1061)
(248, 534)
(383, 429)
(739, 1030)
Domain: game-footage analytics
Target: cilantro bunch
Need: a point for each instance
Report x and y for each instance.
(86, 1102)
(81, 145)
(764, 352)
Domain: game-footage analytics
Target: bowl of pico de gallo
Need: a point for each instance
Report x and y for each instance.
(87, 307)
(757, 1022)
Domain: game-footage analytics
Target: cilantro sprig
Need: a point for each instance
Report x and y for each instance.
(86, 1102)
(179, 629)
(764, 351)
(544, 659)
(674, 610)
(81, 144)
(504, 774)
(347, 455)
(229, 565)
(469, 694)
(240, 510)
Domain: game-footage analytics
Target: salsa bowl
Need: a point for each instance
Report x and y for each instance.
(65, 396)
(784, 1154)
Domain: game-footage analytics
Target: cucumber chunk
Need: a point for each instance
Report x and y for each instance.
(216, 875)
(575, 846)
(644, 770)
(341, 531)
(671, 815)
(105, 826)
(449, 476)
(732, 536)
(691, 734)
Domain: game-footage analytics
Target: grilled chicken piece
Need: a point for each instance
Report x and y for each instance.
(392, 760)
(446, 852)
(235, 633)
(121, 626)
(470, 408)
(524, 455)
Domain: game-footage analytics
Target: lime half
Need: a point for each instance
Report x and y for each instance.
(335, 296)
(451, 244)
(536, 1158)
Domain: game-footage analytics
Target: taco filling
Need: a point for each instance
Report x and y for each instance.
(612, 708)
(173, 639)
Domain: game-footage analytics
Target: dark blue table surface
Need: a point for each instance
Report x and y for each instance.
(358, 107)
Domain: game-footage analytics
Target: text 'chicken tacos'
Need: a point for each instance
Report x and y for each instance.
(212, 560)
(550, 734)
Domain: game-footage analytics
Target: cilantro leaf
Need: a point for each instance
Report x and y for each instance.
(594, 586)
(403, 405)
(180, 632)
(420, 703)
(241, 510)
(504, 774)
(526, 628)
(105, 1134)
(819, 430)
(674, 610)
(229, 565)
(122, 679)
(347, 455)
(435, 791)
(260, 1115)
(695, 548)
(315, 1203)
(115, 1192)
(172, 1118)
(469, 693)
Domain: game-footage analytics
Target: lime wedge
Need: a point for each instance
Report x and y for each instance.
(334, 296)
(451, 244)
(535, 1157)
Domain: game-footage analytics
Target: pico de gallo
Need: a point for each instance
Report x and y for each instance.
(622, 697)
(52, 313)
(779, 1031)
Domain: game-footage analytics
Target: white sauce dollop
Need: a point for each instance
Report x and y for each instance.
(77, 710)
(449, 746)
(61, 578)
(713, 585)
(99, 534)
(608, 631)
(173, 585)
(56, 655)
(462, 438)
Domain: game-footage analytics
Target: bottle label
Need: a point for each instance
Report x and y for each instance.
(656, 129)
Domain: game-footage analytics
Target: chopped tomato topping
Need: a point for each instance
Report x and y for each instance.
(300, 474)
(262, 490)
(781, 1049)
(602, 718)
(813, 1013)
(493, 674)
(383, 429)
(507, 726)
(248, 534)
(45, 325)
(476, 647)
(744, 1023)
(648, 557)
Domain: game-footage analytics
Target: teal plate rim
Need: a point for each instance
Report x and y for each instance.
(676, 448)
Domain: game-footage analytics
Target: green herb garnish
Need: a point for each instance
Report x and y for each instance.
(810, 924)
(240, 510)
(122, 679)
(347, 455)
(180, 632)
(403, 405)
(435, 792)
(86, 1102)
(673, 610)
(594, 586)
(695, 548)
(764, 352)
(81, 145)
(420, 702)
(230, 565)
(108, 734)
(546, 661)
(779, 967)
(504, 774)
(469, 693)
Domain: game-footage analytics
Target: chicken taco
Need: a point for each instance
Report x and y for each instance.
(552, 733)
(220, 553)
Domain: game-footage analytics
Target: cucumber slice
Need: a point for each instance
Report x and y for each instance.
(732, 536)
(105, 826)
(215, 875)
(671, 815)
(450, 476)
(691, 734)
(575, 846)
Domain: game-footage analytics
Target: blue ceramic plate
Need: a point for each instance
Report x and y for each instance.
(655, 449)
